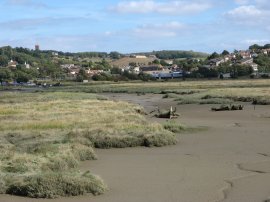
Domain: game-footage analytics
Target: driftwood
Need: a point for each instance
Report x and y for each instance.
(170, 114)
(228, 108)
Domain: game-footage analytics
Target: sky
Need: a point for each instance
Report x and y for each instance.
(134, 26)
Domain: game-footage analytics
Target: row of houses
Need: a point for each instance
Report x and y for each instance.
(160, 72)
(241, 58)
(73, 70)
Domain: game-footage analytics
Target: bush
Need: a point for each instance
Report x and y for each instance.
(53, 185)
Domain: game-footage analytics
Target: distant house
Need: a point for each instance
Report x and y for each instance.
(152, 56)
(254, 67)
(216, 62)
(225, 76)
(91, 73)
(68, 66)
(12, 63)
(169, 62)
(27, 66)
(246, 61)
(138, 56)
(245, 54)
(265, 51)
(136, 70)
(249, 61)
(151, 68)
(159, 72)
(74, 71)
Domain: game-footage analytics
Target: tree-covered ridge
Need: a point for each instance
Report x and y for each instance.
(174, 54)
(22, 64)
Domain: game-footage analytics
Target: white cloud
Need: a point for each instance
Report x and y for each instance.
(170, 29)
(242, 2)
(28, 3)
(170, 7)
(263, 4)
(249, 15)
(256, 41)
(245, 12)
(33, 23)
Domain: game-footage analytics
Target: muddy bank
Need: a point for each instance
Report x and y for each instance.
(205, 166)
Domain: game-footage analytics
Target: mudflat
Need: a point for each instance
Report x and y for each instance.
(230, 161)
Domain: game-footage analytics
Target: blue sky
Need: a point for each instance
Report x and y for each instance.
(133, 26)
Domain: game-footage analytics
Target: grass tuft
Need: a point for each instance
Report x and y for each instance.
(54, 185)
(174, 127)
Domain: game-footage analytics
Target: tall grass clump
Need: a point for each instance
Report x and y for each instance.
(54, 185)
(174, 127)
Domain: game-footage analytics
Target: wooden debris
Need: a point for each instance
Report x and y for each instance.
(170, 114)
(228, 108)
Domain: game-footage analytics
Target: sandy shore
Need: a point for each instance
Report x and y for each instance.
(228, 162)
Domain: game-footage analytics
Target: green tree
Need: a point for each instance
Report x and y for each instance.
(115, 55)
(21, 76)
(81, 75)
(213, 56)
(5, 74)
(225, 52)
(3, 60)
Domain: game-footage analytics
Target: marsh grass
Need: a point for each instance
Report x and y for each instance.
(44, 137)
(160, 87)
(53, 185)
(223, 96)
(174, 127)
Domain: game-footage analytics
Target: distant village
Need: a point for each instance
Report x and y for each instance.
(85, 68)
(167, 69)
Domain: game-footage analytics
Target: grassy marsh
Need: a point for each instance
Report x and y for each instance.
(44, 136)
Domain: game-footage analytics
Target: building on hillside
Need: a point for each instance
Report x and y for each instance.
(138, 56)
(169, 62)
(91, 73)
(250, 62)
(265, 51)
(67, 66)
(74, 71)
(160, 72)
(12, 63)
(254, 67)
(225, 75)
(37, 48)
(135, 70)
(27, 66)
(246, 61)
(151, 68)
(245, 54)
(152, 56)
(216, 62)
